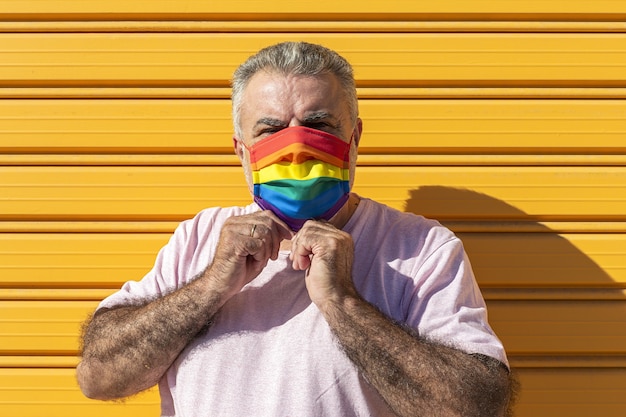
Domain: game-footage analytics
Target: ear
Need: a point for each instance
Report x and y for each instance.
(358, 129)
(237, 144)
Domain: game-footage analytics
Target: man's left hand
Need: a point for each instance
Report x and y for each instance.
(326, 253)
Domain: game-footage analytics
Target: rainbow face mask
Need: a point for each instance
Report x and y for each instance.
(301, 173)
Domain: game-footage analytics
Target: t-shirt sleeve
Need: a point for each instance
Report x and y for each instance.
(178, 262)
(448, 306)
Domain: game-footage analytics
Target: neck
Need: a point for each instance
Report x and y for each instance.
(344, 214)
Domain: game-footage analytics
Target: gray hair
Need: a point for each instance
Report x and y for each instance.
(297, 58)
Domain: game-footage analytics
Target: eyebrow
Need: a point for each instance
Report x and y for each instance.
(321, 115)
(268, 121)
(309, 118)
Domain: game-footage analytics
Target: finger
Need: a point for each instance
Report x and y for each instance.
(253, 230)
(277, 231)
(271, 230)
(300, 261)
(242, 236)
(283, 230)
(316, 238)
(261, 240)
(300, 253)
(275, 245)
(275, 237)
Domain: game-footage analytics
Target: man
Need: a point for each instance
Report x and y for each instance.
(311, 301)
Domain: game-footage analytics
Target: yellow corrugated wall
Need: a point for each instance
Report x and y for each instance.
(506, 120)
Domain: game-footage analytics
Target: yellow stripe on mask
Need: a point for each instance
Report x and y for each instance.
(304, 171)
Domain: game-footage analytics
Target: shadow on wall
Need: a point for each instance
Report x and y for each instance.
(507, 248)
(553, 307)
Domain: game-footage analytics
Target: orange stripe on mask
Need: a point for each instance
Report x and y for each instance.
(297, 153)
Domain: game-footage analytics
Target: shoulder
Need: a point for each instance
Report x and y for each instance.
(192, 245)
(210, 220)
(400, 255)
(401, 231)
(186, 254)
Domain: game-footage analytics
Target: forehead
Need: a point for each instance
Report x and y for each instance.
(290, 97)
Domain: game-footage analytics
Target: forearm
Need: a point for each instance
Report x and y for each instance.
(128, 349)
(414, 376)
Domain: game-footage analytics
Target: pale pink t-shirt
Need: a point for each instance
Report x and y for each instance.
(270, 352)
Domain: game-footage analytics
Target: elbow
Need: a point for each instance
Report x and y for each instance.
(501, 400)
(100, 382)
(92, 384)
(493, 392)
(509, 390)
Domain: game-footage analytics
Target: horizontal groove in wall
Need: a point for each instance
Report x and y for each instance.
(553, 294)
(49, 361)
(516, 361)
(365, 159)
(487, 92)
(320, 10)
(573, 227)
(125, 160)
(514, 294)
(269, 26)
(610, 16)
(398, 93)
(123, 92)
(55, 294)
(410, 84)
(487, 226)
(398, 204)
(567, 361)
(87, 227)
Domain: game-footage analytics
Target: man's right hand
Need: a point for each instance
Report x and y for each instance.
(245, 246)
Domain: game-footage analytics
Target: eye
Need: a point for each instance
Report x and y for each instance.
(319, 126)
(269, 130)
